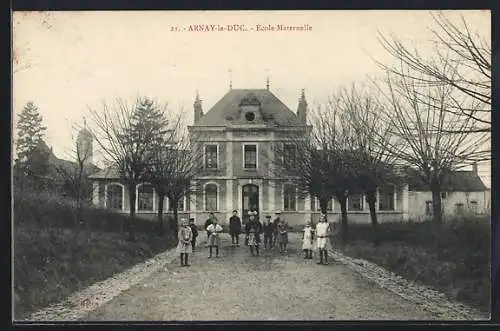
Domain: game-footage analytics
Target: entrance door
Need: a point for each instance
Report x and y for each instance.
(250, 200)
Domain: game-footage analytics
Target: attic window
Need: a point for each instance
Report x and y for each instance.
(250, 116)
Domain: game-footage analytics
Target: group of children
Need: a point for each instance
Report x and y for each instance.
(321, 233)
(276, 230)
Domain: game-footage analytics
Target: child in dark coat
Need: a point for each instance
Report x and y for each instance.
(268, 229)
(194, 230)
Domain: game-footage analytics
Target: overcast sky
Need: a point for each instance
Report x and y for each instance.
(67, 61)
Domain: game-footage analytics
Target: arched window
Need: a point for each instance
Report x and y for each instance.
(145, 196)
(114, 197)
(211, 197)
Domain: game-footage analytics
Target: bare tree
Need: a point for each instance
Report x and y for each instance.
(366, 140)
(421, 131)
(75, 181)
(127, 135)
(462, 60)
(172, 171)
(316, 160)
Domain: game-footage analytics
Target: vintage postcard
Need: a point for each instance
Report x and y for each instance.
(251, 165)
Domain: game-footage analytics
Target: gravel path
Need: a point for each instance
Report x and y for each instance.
(274, 286)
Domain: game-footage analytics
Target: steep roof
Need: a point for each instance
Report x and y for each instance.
(227, 107)
(454, 181)
(108, 173)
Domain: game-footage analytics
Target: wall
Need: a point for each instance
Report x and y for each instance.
(417, 201)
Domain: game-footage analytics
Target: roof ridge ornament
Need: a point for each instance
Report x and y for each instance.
(267, 79)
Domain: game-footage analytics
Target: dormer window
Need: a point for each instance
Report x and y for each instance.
(250, 107)
(250, 116)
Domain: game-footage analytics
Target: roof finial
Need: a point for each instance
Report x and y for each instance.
(230, 79)
(267, 79)
(302, 94)
(197, 95)
(84, 122)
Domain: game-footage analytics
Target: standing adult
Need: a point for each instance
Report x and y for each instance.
(235, 228)
(268, 229)
(208, 222)
(282, 228)
(277, 218)
(322, 229)
(253, 230)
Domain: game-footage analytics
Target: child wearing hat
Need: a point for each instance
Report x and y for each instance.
(184, 246)
(235, 228)
(307, 240)
(214, 239)
(253, 228)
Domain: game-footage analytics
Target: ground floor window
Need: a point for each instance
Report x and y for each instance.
(211, 197)
(289, 198)
(355, 202)
(145, 197)
(180, 205)
(473, 206)
(459, 208)
(386, 198)
(428, 208)
(315, 206)
(114, 197)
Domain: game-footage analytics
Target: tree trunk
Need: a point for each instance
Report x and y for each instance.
(176, 216)
(161, 230)
(323, 206)
(344, 227)
(132, 196)
(437, 215)
(371, 198)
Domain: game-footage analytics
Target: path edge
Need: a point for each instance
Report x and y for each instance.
(427, 297)
(79, 304)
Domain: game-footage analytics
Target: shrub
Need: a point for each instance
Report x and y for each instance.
(453, 256)
(50, 262)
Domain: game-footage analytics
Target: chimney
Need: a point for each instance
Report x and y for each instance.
(474, 168)
(198, 111)
(302, 108)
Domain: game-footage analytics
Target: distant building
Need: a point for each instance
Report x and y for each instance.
(52, 178)
(236, 136)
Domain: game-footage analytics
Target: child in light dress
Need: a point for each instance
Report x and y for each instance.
(307, 240)
(184, 247)
(322, 232)
(214, 239)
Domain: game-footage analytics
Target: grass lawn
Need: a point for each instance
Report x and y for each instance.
(50, 262)
(453, 258)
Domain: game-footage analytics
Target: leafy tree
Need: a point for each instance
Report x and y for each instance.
(32, 158)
